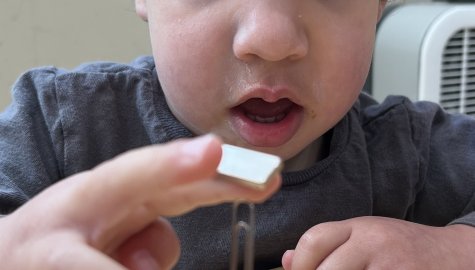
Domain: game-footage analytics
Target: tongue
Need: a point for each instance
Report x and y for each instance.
(259, 107)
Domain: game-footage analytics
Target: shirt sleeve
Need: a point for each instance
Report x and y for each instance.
(30, 139)
(446, 143)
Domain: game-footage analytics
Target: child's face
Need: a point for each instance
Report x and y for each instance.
(272, 75)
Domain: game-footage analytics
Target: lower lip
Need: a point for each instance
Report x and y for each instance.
(267, 134)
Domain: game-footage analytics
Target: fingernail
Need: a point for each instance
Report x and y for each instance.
(143, 260)
(196, 148)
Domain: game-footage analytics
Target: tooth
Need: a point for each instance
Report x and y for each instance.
(265, 119)
(251, 116)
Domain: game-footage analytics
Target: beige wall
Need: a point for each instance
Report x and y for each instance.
(66, 33)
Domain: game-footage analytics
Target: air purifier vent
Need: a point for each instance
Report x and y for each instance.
(426, 51)
(458, 73)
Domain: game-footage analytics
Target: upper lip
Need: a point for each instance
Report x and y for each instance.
(268, 94)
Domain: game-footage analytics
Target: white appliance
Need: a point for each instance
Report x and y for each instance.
(427, 52)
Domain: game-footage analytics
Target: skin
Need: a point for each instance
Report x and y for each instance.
(320, 51)
(95, 220)
(221, 50)
(218, 50)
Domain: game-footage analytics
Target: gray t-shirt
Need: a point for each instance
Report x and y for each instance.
(397, 159)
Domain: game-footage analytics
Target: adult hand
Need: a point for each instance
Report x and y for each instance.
(109, 217)
(382, 243)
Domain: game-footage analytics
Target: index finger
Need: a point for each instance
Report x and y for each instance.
(125, 194)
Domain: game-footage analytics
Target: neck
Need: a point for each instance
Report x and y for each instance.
(315, 151)
(305, 158)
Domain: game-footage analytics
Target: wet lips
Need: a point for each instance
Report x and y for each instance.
(266, 124)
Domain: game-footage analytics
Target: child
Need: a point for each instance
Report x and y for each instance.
(366, 185)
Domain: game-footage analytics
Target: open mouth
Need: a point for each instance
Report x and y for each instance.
(260, 111)
(266, 124)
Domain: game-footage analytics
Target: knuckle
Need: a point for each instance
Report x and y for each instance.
(312, 238)
(380, 236)
(307, 241)
(55, 258)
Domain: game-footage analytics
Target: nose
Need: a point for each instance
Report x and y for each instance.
(270, 33)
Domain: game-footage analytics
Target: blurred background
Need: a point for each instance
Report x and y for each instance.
(66, 33)
(425, 49)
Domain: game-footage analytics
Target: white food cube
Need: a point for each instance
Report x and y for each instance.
(248, 166)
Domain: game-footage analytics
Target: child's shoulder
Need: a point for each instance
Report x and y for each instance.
(421, 123)
(90, 86)
(397, 108)
(90, 75)
(48, 74)
(143, 63)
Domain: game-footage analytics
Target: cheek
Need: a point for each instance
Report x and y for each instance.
(344, 62)
(192, 108)
(178, 60)
(190, 74)
(348, 63)
(182, 84)
(191, 48)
